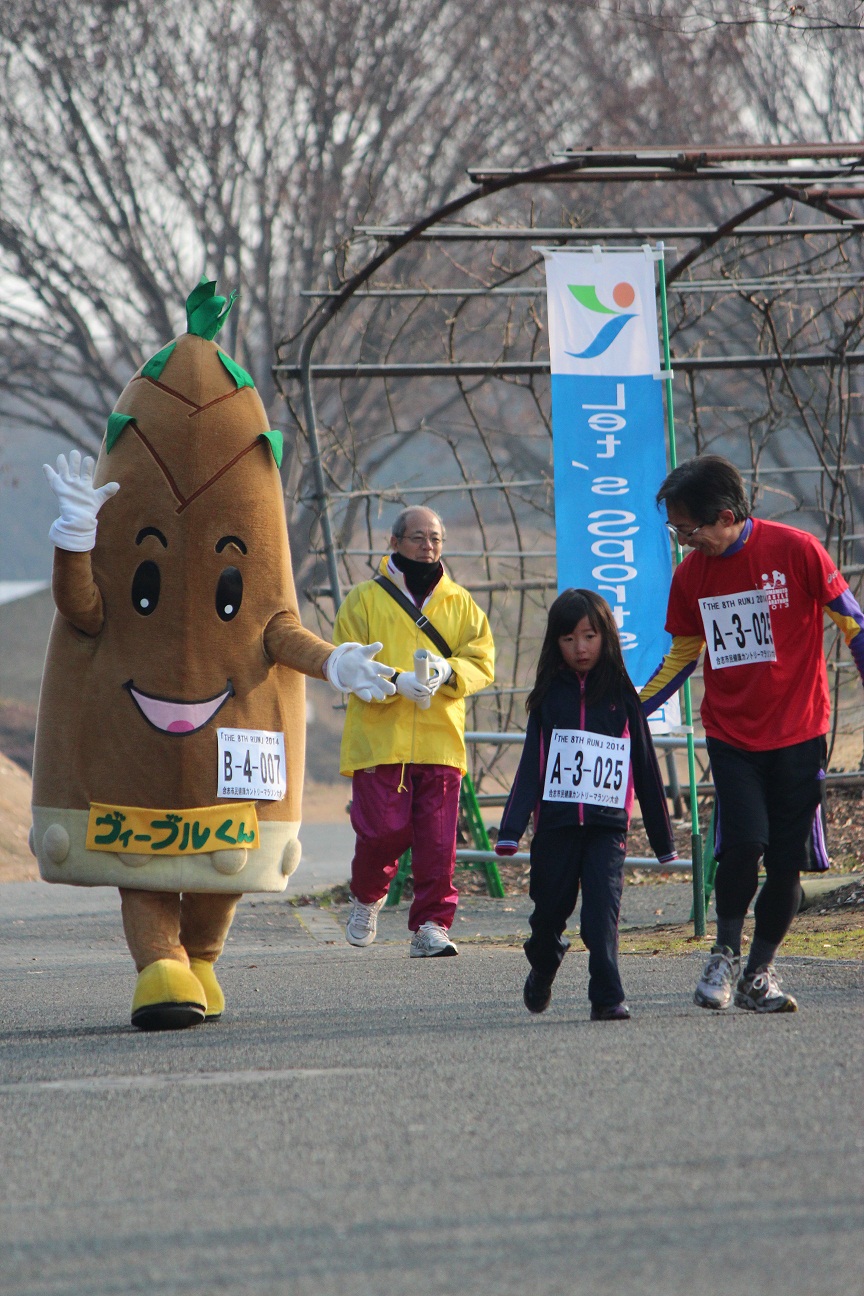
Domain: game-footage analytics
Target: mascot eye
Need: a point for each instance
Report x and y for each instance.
(145, 588)
(229, 593)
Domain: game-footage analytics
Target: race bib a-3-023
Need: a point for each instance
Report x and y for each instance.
(738, 629)
(587, 767)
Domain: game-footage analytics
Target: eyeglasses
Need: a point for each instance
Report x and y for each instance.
(418, 537)
(681, 533)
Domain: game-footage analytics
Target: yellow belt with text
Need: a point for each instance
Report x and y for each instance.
(135, 830)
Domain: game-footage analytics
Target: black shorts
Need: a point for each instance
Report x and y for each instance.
(773, 799)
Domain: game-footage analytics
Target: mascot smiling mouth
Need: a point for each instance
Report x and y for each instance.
(178, 717)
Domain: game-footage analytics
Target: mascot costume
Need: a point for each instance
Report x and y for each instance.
(170, 739)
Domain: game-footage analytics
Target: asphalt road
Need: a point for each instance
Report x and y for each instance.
(361, 1123)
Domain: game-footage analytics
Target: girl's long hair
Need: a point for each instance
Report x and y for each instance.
(609, 678)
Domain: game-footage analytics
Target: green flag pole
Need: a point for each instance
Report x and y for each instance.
(695, 831)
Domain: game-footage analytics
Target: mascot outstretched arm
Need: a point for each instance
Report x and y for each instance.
(170, 738)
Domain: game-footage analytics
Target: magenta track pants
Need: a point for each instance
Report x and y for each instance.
(394, 807)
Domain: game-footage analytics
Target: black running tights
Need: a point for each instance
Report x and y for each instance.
(735, 886)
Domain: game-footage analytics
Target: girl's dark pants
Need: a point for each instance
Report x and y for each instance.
(562, 860)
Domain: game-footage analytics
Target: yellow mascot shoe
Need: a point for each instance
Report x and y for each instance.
(167, 997)
(212, 989)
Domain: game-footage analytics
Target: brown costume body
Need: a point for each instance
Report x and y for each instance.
(200, 496)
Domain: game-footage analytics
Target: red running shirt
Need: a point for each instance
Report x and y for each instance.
(764, 704)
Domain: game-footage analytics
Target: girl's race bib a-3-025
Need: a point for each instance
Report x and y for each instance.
(587, 767)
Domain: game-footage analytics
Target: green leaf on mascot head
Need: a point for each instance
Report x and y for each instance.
(276, 442)
(116, 424)
(154, 366)
(240, 376)
(205, 312)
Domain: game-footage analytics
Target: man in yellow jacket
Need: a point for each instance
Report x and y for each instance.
(406, 755)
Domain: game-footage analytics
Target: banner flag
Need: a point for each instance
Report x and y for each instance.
(609, 443)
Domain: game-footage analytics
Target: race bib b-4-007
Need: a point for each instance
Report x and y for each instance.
(251, 764)
(738, 629)
(587, 767)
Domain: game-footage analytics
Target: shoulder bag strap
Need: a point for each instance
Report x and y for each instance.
(422, 622)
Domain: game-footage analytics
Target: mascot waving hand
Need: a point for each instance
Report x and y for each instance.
(170, 739)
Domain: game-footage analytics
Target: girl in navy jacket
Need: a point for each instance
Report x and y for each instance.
(587, 750)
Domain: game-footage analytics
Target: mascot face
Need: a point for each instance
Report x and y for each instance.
(192, 562)
(191, 554)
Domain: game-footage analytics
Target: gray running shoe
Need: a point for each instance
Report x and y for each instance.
(432, 941)
(715, 985)
(362, 921)
(761, 992)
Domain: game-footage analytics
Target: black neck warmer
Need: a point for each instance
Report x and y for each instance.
(419, 576)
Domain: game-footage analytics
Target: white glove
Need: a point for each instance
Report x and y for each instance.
(350, 669)
(410, 687)
(440, 671)
(79, 500)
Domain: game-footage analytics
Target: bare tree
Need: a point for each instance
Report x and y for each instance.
(143, 143)
(794, 69)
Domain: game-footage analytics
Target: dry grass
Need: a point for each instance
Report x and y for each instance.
(836, 935)
(326, 802)
(16, 862)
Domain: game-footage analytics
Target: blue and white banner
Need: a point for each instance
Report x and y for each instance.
(609, 442)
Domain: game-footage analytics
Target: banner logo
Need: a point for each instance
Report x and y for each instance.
(623, 295)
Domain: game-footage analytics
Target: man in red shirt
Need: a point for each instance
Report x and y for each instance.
(753, 594)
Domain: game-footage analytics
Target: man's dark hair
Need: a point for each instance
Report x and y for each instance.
(704, 487)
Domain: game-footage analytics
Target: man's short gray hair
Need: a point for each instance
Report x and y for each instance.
(400, 525)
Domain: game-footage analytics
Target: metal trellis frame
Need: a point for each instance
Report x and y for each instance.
(818, 180)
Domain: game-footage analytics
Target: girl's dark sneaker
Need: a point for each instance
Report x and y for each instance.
(538, 992)
(613, 1012)
(761, 992)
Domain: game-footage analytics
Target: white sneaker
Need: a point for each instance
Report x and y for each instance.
(715, 985)
(362, 921)
(431, 941)
(761, 992)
